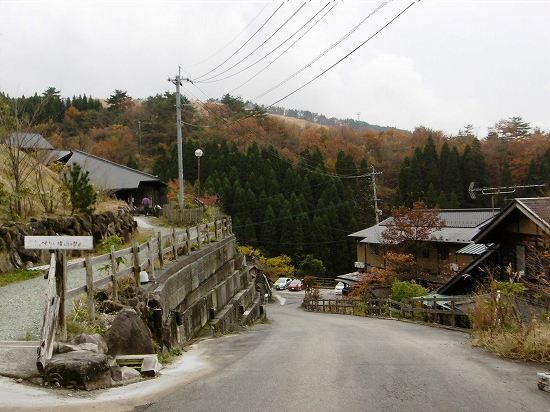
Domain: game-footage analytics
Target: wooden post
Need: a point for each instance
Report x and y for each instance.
(174, 247)
(90, 287)
(188, 240)
(49, 324)
(199, 235)
(136, 268)
(161, 255)
(61, 289)
(453, 314)
(151, 260)
(114, 270)
(208, 233)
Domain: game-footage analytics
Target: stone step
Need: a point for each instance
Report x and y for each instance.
(18, 359)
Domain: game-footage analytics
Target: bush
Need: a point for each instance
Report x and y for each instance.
(404, 290)
(81, 192)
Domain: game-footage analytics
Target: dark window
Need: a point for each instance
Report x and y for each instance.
(375, 249)
(426, 253)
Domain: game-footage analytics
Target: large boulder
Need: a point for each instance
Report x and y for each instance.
(79, 368)
(128, 335)
(94, 338)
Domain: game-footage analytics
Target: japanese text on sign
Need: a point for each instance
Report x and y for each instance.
(59, 242)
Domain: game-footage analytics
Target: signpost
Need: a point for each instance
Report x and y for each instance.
(62, 243)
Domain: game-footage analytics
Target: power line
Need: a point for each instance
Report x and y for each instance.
(347, 55)
(349, 33)
(229, 42)
(245, 43)
(209, 79)
(284, 51)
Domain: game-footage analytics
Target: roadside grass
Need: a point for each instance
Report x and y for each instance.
(18, 276)
(530, 342)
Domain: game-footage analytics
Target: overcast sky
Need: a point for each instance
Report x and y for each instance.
(442, 64)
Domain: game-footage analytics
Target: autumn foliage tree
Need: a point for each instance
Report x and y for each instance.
(410, 227)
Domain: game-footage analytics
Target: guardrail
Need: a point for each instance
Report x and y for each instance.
(158, 250)
(416, 309)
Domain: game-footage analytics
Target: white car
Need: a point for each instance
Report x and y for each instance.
(282, 283)
(341, 289)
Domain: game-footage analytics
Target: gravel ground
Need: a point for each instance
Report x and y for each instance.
(23, 303)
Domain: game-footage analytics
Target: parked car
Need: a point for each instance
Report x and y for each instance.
(282, 283)
(296, 284)
(341, 288)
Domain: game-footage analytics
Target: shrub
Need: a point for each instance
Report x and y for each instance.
(81, 192)
(404, 290)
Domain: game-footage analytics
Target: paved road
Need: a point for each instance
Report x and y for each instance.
(322, 362)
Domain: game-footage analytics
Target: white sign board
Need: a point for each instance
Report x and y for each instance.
(59, 242)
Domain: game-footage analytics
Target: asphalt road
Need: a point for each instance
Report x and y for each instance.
(322, 362)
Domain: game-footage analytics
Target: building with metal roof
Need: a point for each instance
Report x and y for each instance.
(516, 239)
(442, 251)
(28, 141)
(124, 182)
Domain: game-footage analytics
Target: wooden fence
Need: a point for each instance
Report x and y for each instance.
(417, 309)
(130, 261)
(185, 217)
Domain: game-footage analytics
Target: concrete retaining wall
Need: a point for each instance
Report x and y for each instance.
(197, 288)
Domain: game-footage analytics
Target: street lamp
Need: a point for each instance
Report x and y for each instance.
(199, 153)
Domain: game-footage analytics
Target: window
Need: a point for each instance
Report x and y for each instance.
(375, 249)
(426, 253)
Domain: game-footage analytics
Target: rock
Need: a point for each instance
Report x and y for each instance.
(125, 374)
(103, 381)
(61, 347)
(128, 335)
(19, 380)
(82, 368)
(95, 338)
(109, 306)
(37, 380)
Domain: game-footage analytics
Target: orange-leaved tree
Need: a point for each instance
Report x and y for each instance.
(410, 227)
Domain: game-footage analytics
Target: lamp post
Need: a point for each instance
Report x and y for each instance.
(199, 153)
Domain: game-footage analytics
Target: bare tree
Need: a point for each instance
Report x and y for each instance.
(18, 147)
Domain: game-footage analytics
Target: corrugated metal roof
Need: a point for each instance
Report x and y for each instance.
(25, 140)
(110, 175)
(460, 218)
(474, 249)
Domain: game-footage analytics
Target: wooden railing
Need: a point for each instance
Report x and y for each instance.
(130, 261)
(416, 309)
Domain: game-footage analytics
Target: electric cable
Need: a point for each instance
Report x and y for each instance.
(347, 55)
(284, 51)
(229, 42)
(244, 44)
(209, 79)
(349, 33)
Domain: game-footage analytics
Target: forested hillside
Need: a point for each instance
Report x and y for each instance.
(290, 189)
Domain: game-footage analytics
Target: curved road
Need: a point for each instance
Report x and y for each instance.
(304, 362)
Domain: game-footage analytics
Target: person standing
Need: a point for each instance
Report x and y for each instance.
(146, 203)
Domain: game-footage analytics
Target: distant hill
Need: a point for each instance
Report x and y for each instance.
(322, 120)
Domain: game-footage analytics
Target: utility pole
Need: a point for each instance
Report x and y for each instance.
(177, 82)
(377, 211)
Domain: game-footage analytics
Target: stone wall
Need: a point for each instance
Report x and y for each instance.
(13, 254)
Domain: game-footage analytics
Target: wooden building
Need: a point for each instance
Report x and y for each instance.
(445, 250)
